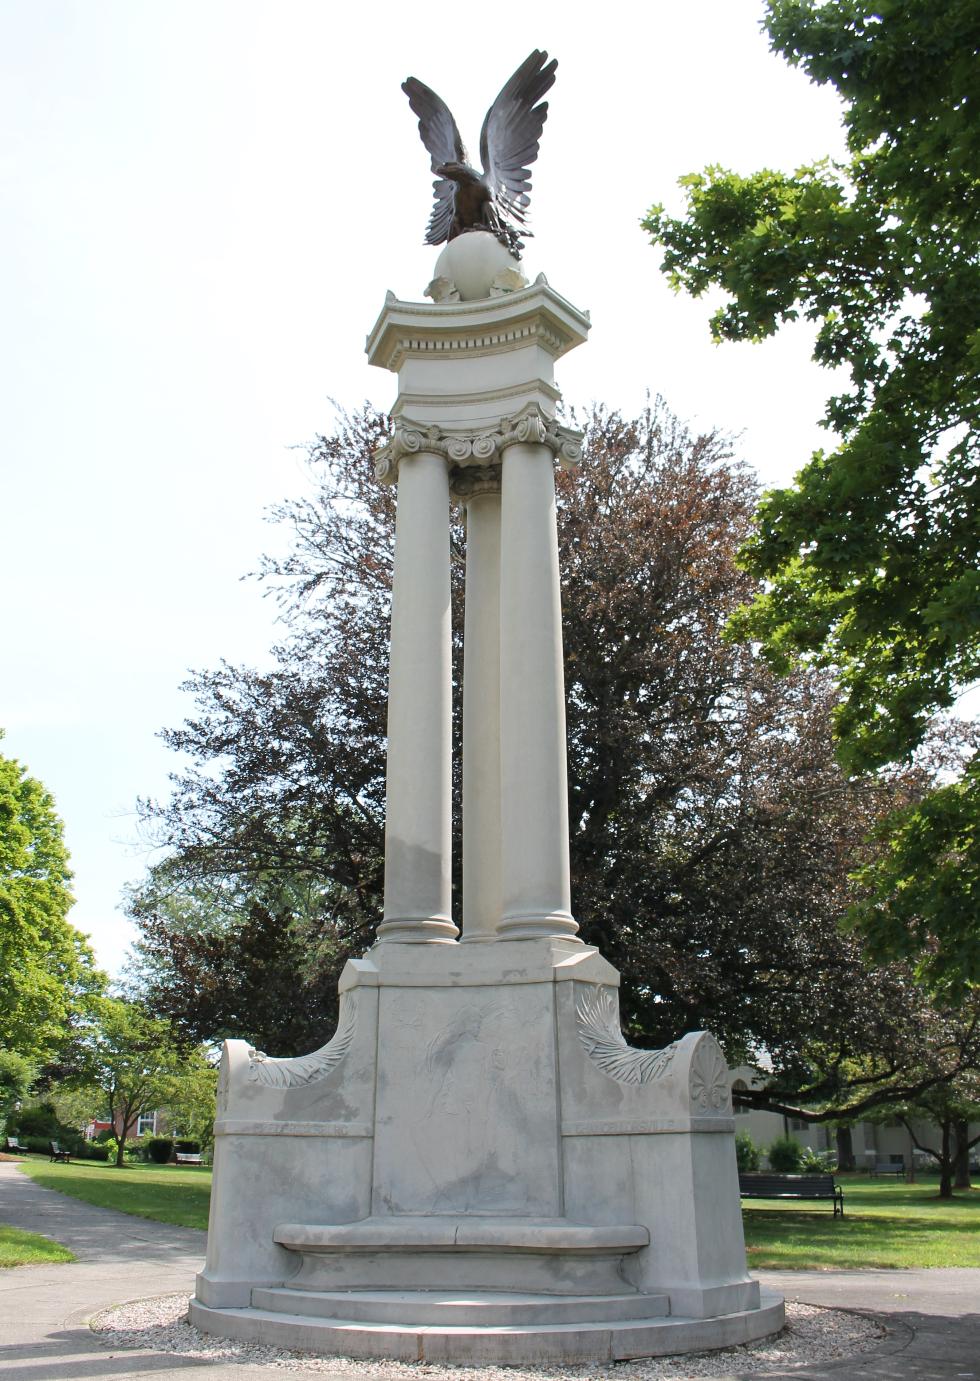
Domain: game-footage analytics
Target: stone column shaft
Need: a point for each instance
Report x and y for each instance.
(481, 715)
(418, 819)
(536, 894)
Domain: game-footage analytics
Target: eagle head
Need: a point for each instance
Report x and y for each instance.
(460, 173)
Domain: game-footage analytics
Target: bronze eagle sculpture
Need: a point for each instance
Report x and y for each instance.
(496, 199)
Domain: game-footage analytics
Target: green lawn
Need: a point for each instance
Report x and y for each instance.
(163, 1192)
(29, 1249)
(885, 1224)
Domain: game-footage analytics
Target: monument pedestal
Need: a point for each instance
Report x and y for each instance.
(478, 1168)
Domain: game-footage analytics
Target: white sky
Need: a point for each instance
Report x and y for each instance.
(202, 203)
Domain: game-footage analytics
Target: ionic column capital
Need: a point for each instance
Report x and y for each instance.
(470, 481)
(531, 426)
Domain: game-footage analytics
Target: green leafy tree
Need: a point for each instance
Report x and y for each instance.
(16, 1076)
(75, 1105)
(131, 1058)
(47, 973)
(190, 1105)
(871, 560)
(948, 1109)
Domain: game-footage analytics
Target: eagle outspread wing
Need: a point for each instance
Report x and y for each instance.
(442, 139)
(511, 131)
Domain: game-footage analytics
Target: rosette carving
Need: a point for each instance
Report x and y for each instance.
(597, 1017)
(307, 1069)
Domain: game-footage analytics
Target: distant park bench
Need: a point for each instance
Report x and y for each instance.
(759, 1185)
(187, 1158)
(888, 1167)
(58, 1154)
(14, 1147)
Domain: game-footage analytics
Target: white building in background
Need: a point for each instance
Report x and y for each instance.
(873, 1142)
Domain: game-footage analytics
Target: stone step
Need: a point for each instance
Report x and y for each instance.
(554, 1343)
(481, 1308)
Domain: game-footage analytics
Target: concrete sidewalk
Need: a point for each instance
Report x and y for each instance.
(933, 1317)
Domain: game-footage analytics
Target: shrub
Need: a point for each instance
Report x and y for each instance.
(188, 1148)
(746, 1152)
(785, 1155)
(818, 1162)
(41, 1120)
(160, 1149)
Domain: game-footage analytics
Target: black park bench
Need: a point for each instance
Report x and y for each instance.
(58, 1154)
(759, 1185)
(888, 1167)
(14, 1147)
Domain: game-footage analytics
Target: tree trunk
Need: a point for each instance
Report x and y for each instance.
(946, 1163)
(120, 1150)
(845, 1148)
(961, 1155)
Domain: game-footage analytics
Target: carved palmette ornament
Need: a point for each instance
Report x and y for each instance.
(598, 1030)
(709, 1086)
(307, 1069)
(531, 427)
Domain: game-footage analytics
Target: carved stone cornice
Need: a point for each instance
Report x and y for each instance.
(531, 427)
(447, 330)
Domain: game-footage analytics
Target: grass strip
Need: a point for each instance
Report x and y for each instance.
(165, 1193)
(19, 1248)
(885, 1224)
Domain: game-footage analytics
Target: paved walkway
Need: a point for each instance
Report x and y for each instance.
(933, 1317)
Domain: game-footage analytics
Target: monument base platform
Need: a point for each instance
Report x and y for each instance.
(506, 1329)
(478, 1168)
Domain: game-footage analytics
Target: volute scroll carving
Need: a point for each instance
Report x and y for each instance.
(531, 427)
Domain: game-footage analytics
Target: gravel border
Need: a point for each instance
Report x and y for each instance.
(812, 1334)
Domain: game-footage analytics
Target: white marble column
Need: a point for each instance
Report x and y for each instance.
(418, 810)
(481, 705)
(535, 887)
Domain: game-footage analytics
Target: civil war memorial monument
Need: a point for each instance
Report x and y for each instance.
(477, 1166)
